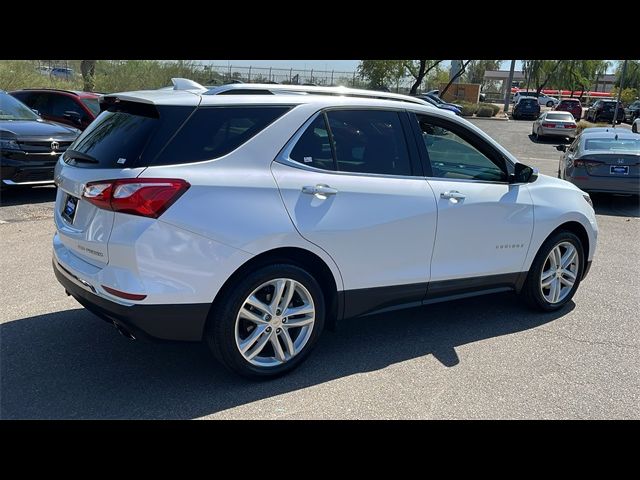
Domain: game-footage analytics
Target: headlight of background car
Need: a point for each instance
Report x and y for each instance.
(588, 199)
(6, 144)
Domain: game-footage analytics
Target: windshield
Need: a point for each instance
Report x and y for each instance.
(625, 145)
(92, 104)
(13, 109)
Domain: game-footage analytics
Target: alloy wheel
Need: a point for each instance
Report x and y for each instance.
(559, 272)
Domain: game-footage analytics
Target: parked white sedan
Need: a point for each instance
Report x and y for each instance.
(554, 124)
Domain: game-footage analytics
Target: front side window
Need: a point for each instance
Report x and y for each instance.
(453, 157)
(369, 141)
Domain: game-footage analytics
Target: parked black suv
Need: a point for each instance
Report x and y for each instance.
(632, 112)
(29, 146)
(526, 107)
(602, 111)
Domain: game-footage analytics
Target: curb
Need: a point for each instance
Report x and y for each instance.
(499, 119)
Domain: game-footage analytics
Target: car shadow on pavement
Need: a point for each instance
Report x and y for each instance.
(549, 140)
(616, 205)
(22, 195)
(71, 365)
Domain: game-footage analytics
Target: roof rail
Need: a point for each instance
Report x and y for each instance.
(186, 84)
(255, 88)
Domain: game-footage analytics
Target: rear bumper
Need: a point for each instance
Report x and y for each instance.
(183, 322)
(558, 132)
(607, 185)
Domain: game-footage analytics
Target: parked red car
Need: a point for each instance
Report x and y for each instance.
(70, 107)
(572, 105)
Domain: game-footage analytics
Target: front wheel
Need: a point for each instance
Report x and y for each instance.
(268, 323)
(634, 129)
(555, 273)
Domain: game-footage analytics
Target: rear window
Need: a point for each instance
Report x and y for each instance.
(528, 101)
(559, 116)
(131, 135)
(212, 132)
(569, 103)
(625, 145)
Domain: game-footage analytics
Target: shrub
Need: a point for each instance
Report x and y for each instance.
(496, 108)
(468, 109)
(485, 111)
(582, 124)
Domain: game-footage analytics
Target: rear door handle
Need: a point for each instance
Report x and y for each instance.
(453, 194)
(319, 190)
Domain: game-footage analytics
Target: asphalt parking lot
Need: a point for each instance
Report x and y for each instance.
(487, 357)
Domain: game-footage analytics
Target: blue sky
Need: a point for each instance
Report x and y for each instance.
(338, 65)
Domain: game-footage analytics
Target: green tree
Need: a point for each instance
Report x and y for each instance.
(419, 69)
(476, 69)
(629, 95)
(632, 76)
(381, 73)
(539, 72)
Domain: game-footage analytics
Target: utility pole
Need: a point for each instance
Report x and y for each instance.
(507, 93)
(615, 112)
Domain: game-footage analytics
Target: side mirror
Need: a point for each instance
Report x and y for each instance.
(561, 148)
(523, 174)
(74, 117)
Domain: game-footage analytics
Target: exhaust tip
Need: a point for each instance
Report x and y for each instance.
(123, 331)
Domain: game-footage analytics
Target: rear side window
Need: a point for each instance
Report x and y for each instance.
(369, 141)
(212, 132)
(314, 148)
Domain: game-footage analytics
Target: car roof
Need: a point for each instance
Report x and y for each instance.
(78, 93)
(609, 132)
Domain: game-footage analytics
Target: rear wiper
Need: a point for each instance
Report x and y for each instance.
(80, 157)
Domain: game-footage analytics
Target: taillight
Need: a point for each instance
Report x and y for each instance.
(147, 197)
(586, 163)
(549, 125)
(570, 125)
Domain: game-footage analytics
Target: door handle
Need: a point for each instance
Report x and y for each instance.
(453, 194)
(319, 190)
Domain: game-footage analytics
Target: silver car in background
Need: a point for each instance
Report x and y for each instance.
(555, 124)
(603, 160)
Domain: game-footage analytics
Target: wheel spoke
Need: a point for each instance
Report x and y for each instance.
(303, 309)
(288, 343)
(568, 257)
(288, 295)
(250, 341)
(299, 322)
(258, 304)
(277, 348)
(280, 285)
(252, 316)
(555, 257)
(566, 281)
(545, 277)
(552, 290)
(556, 290)
(568, 273)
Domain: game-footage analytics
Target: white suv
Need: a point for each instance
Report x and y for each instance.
(543, 99)
(252, 216)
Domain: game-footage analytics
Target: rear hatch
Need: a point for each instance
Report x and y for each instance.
(120, 143)
(609, 157)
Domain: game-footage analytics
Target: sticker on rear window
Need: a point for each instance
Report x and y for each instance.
(308, 159)
(121, 160)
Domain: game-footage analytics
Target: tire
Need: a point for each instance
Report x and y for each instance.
(634, 129)
(538, 136)
(532, 293)
(223, 340)
(549, 104)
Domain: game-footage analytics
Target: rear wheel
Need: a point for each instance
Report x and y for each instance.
(634, 128)
(267, 323)
(555, 273)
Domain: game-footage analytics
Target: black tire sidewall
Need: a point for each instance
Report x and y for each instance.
(220, 334)
(532, 287)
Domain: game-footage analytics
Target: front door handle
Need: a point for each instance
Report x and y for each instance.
(319, 190)
(453, 194)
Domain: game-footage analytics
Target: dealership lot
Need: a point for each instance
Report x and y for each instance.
(487, 357)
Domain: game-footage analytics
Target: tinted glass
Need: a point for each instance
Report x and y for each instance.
(92, 104)
(13, 109)
(528, 102)
(569, 103)
(115, 139)
(313, 147)
(453, 157)
(60, 104)
(559, 116)
(626, 145)
(369, 141)
(213, 132)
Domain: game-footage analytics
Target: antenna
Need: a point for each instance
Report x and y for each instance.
(186, 84)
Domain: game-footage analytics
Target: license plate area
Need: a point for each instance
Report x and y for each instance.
(619, 170)
(69, 208)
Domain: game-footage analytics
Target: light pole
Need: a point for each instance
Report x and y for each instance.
(615, 112)
(507, 93)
